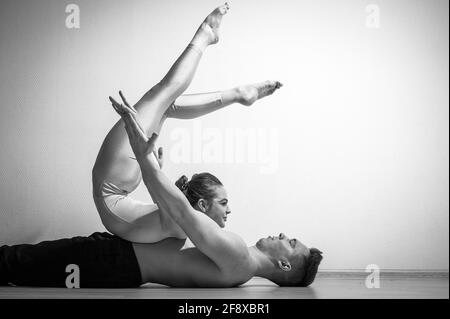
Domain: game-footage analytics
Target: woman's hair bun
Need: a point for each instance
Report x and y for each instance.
(182, 183)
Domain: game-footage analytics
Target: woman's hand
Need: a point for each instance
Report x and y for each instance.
(140, 143)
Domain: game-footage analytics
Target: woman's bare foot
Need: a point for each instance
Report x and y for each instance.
(208, 32)
(248, 94)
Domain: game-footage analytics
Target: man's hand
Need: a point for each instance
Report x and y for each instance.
(140, 143)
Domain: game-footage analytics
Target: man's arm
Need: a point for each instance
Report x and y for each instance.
(224, 248)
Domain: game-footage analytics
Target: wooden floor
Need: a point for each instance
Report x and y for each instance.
(341, 285)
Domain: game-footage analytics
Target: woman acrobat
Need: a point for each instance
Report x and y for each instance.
(116, 174)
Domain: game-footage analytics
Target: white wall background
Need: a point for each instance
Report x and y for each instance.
(362, 120)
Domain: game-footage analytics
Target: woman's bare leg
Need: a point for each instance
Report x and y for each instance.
(114, 163)
(189, 106)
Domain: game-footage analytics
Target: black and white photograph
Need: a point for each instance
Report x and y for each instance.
(199, 151)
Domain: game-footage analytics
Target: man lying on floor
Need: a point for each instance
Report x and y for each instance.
(209, 257)
(212, 257)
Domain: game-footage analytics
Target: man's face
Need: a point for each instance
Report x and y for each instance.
(282, 246)
(218, 208)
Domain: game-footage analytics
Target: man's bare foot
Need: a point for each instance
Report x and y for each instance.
(208, 32)
(248, 94)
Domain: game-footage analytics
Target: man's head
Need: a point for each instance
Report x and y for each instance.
(206, 193)
(294, 264)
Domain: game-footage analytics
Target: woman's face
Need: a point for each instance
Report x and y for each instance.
(218, 207)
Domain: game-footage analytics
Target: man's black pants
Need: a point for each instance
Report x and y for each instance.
(103, 261)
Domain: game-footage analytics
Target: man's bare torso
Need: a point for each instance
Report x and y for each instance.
(178, 263)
